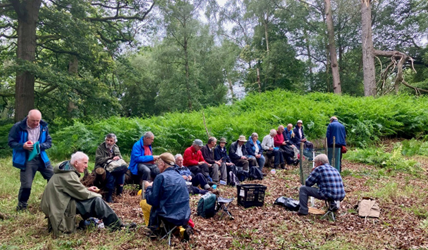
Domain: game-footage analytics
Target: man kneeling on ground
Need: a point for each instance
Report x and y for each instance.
(328, 180)
(65, 196)
(168, 195)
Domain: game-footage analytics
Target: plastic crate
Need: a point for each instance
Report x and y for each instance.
(250, 195)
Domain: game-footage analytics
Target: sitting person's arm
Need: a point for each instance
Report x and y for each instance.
(100, 159)
(250, 151)
(313, 178)
(117, 154)
(153, 191)
(188, 160)
(75, 189)
(138, 154)
(232, 153)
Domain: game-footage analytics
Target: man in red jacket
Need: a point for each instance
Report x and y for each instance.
(194, 160)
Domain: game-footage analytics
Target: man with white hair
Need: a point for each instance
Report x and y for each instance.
(142, 164)
(269, 147)
(65, 196)
(328, 180)
(29, 139)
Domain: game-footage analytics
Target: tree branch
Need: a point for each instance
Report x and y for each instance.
(117, 17)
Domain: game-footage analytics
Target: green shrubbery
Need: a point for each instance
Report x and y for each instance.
(378, 157)
(366, 120)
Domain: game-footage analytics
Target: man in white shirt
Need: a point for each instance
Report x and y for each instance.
(268, 146)
(238, 154)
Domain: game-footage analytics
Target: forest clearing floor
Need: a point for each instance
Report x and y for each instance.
(403, 222)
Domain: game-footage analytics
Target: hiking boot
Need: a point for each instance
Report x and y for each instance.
(21, 208)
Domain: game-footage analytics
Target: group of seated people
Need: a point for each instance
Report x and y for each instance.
(167, 180)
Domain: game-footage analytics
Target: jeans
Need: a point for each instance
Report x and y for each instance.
(148, 172)
(114, 179)
(278, 157)
(304, 193)
(27, 177)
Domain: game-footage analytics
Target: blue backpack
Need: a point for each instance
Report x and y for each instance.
(207, 205)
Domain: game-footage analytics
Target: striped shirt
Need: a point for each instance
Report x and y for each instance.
(329, 182)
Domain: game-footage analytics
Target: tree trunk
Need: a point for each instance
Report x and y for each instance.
(368, 50)
(73, 66)
(258, 80)
(332, 49)
(28, 14)
(308, 50)
(231, 90)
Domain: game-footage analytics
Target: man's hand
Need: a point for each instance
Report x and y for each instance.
(189, 178)
(243, 157)
(201, 162)
(271, 148)
(116, 158)
(147, 184)
(218, 162)
(184, 177)
(303, 140)
(28, 146)
(284, 143)
(229, 163)
(258, 156)
(155, 157)
(94, 189)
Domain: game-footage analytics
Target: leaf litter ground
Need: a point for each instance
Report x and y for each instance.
(403, 222)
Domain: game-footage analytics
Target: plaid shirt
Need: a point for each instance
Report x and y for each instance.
(329, 182)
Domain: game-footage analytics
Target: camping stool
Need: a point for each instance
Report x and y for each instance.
(331, 208)
(223, 204)
(165, 229)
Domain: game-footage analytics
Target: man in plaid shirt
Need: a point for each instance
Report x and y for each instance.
(328, 180)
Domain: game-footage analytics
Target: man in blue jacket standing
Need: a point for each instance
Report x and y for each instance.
(337, 130)
(142, 163)
(30, 135)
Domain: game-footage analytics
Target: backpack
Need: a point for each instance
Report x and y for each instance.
(206, 205)
(255, 173)
(232, 179)
(287, 203)
(242, 175)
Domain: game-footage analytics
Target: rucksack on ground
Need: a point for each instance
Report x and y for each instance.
(255, 173)
(206, 205)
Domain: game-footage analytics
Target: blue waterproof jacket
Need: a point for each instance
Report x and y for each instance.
(251, 149)
(297, 138)
(169, 198)
(138, 156)
(183, 170)
(221, 153)
(18, 135)
(336, 129)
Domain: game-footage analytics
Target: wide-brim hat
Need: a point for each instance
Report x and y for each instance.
(300, 121)
(242, 138)
(223, 140)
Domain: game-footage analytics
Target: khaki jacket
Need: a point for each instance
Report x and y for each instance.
(59, 198)
(103, 154)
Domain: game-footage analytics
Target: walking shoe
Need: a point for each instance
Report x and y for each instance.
(21, 208)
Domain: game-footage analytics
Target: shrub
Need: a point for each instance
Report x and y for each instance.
(366, 120)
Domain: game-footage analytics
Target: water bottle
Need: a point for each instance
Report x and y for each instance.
(273, 171)
(214, 187)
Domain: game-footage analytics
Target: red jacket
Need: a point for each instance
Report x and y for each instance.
(278, 139)
(192, 157)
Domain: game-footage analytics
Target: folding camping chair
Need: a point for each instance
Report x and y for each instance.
(223, 204)
(166, 229)
(331, 208)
